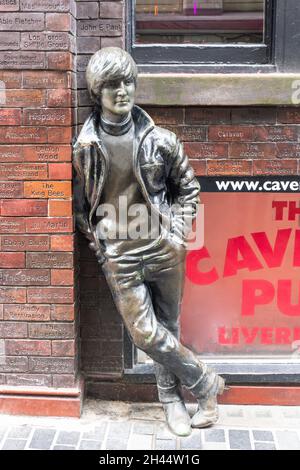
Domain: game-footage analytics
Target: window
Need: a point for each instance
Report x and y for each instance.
(197, 32)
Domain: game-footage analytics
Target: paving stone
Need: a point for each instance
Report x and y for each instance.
(291, 413)
(20, 432)
(121, 429)
(14, 444)
(264, 446)
(235, 413)
(61, 447)
(90, 445)
(165, 444)
(42, 439)
(2, 432)
(191, 442)
(116, 444)
(144, 428)
(288, 440)
(214, 435)
(68, 438)
(263, 413)
(140, 442)
(163, 432)
(239, 439)
(263, 436)
(97, 433)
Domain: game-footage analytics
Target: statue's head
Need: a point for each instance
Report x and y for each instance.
(111, 77)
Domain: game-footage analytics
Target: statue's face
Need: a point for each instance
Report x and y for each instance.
(117, 96)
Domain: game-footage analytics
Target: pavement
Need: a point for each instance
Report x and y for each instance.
(140, 426)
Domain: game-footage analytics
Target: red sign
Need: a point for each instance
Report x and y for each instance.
(242, 292)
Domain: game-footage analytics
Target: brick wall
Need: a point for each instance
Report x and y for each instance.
(37, 316)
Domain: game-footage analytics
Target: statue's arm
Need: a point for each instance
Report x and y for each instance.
(186, 192)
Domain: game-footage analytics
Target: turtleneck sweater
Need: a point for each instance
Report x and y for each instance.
(120, 192)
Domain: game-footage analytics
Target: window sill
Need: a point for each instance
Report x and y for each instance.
(209, 89)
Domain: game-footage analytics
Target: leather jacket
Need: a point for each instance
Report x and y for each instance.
(166, 179)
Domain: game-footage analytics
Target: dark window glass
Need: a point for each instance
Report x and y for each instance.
(199, 21)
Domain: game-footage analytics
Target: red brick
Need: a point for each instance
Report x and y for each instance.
(23, 171)
(288, 115)
(53, 224)
(45, 5)
(60, 61)
(60, 260)
(46, 79)
(23, 207)
(18, 60)
(22, 98)
(230, 133)
(22, 21)
(276, 133)
(60, 208)
(63, 348)
(47, 117)
(252, 150)
(58, 22)
(207, 115)
(62, 313)
(62, 277)
(35, 380)
(46, 153)
(206, 150)
(11, 189)
(60, 135)
(233, 167)
(189, 133)
(26, 312)
(1, 312)
(253, 115)
(199, 167)
(10, 117)
(12, 225)
(24, 242)
(12, 260)
(12, 5)
(13, 330)
(60, 171)
(11, 153)
(59, 98)
(25, 277)
(64, 381)
(23, 135)
(27, 348)
(62, 242)
(49, 189)
(111, 10)
(287, 150)
(56, 295)
(12, 295)
(275, 167)
(11, 79)
(165, 115)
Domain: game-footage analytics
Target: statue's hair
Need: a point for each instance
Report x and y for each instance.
(110, 63)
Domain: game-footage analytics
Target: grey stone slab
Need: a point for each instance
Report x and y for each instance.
(288, 440)
(97, 434)
(291, 413)
(19, 432)
(2, 432)
(235, 413)
(165, 444)
(193, 441)
(163, 432)
(42, 439)
(144, 428)
(214, 435)
(61, 447)
(263, 436)
(264, 446)
(120, 429)
(90, 445)
(140, 442)
(116, 444)
(68, 438)
(239, 439)
(14, 444)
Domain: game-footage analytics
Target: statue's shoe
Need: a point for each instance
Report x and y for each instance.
(207, 411)
(177, 418)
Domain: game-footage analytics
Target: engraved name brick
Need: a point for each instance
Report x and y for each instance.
(24, 243)
(21, 22)
(21, 60)
(99, 27)
(22, 171)
(49, 189)
(24, 277)
(51, 330)
(49, 260)
(45, 41)
(26, 312)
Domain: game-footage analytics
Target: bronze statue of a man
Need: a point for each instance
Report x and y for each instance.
(121, 156)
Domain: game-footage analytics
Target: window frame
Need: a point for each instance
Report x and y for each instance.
(191, 57)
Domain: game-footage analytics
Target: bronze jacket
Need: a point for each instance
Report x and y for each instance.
(166, 179)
